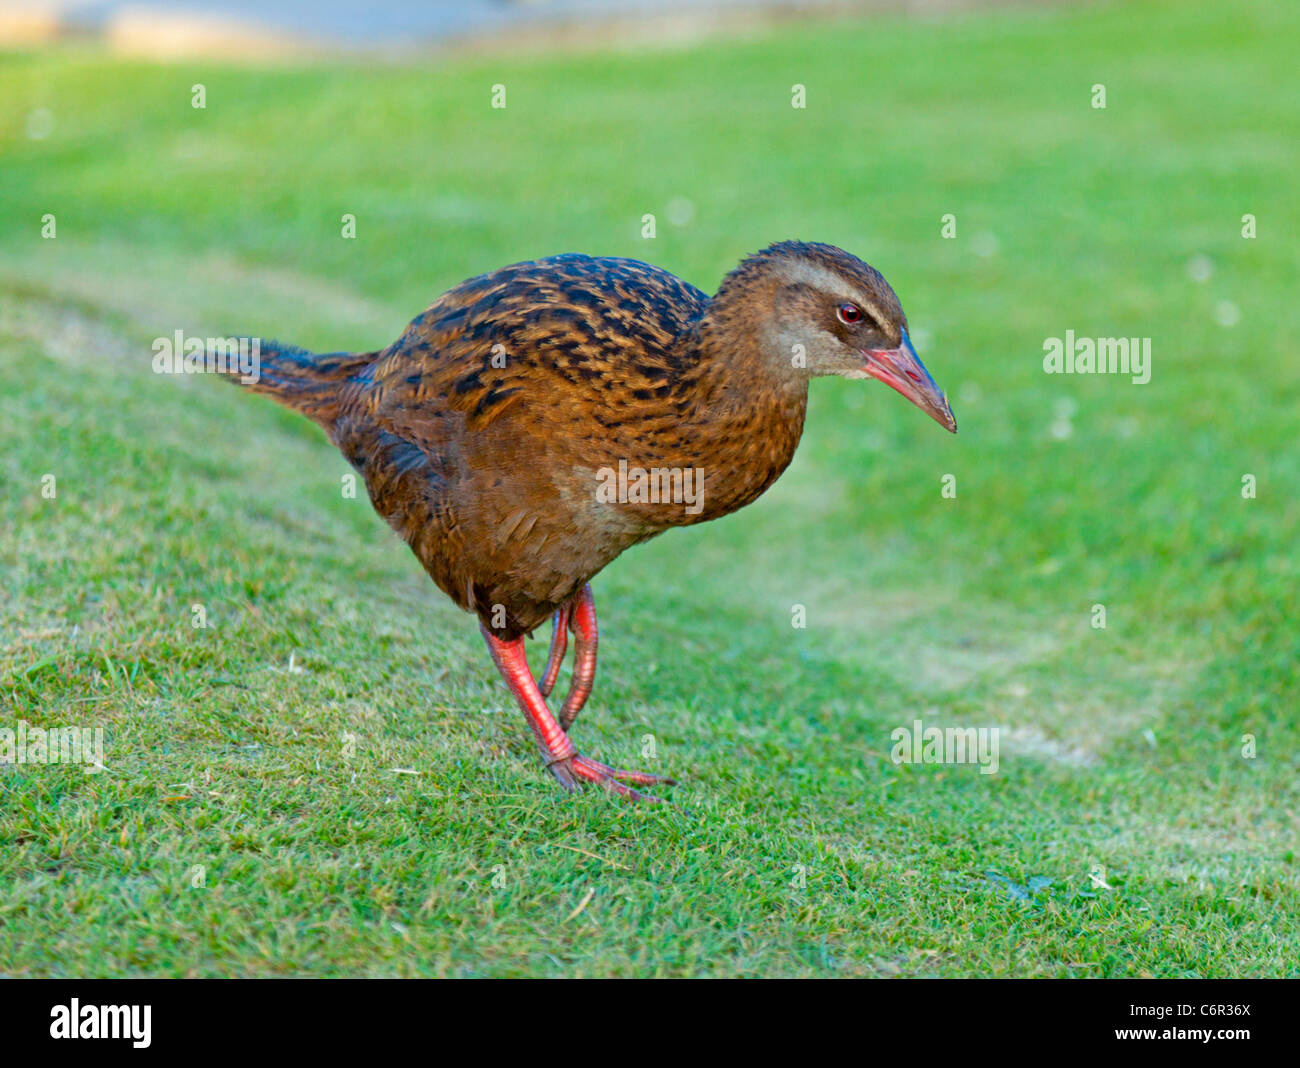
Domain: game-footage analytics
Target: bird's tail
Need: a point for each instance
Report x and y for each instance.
(311, 383)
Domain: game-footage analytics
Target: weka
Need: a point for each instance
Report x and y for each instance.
(489, 433)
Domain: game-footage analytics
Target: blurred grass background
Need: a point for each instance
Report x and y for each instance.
(1151, 845)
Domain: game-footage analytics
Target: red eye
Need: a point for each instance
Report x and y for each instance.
(849, 314)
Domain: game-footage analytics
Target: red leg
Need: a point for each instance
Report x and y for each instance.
(513, 665)
(559, 645)
(561, 758)
(583, 621)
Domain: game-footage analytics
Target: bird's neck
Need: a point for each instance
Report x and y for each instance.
(744, 412)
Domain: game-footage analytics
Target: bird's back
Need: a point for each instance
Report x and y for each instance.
(565, 329)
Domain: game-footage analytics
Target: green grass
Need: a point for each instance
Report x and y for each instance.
(796, 847)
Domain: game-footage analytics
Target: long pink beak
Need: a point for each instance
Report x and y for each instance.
(901, 369)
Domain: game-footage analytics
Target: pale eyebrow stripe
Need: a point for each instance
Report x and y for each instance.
(822, 278)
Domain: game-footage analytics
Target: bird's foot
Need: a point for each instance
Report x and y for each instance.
(565, 763)
(572, 770)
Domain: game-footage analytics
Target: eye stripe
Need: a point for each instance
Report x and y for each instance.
(873, 313)
(825, 282)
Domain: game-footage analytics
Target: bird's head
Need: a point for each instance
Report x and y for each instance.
(814, 309)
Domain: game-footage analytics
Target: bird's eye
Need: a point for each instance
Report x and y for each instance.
(849, 314)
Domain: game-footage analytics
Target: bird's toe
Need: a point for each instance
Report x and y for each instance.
(615, 779)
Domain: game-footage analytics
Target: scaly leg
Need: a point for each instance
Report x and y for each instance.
(561, 758)
(582, 619)
(559, 646)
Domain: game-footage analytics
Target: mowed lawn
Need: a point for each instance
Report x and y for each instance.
(329, 778)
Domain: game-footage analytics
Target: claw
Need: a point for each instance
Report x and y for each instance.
(638, 778)
(603, 775)
(563, 772)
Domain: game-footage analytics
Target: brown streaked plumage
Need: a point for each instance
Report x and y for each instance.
(489, 433)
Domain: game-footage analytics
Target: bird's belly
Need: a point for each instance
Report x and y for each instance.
(529, 543)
